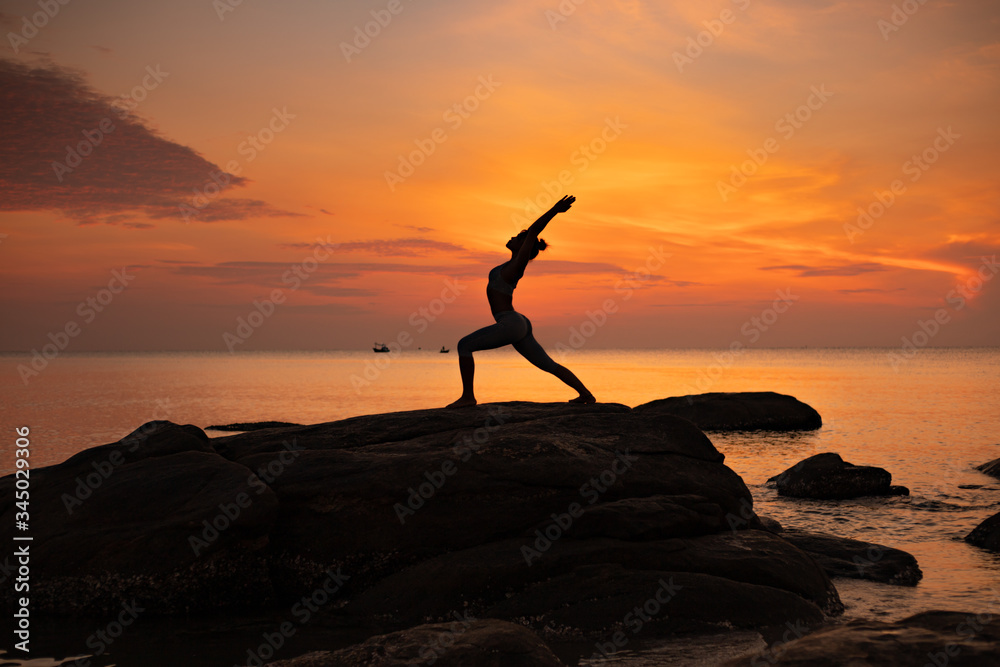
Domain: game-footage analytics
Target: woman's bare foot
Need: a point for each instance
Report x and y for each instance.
(585, 399)
(462, 402)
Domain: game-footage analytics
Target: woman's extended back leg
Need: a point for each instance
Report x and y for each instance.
(530, 349)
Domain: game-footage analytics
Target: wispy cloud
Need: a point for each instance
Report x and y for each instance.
(407, 247)
(416, 228)
(804, 271)
(871, 290)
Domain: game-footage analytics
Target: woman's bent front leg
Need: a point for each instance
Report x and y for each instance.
(504, 332)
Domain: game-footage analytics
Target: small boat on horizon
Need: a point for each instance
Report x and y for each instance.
(380, 347)
(444, 350)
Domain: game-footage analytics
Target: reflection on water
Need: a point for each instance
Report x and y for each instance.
(928, 424)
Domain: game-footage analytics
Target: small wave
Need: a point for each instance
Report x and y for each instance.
(930, 505)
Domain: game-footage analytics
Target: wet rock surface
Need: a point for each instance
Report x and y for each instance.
(829, 477)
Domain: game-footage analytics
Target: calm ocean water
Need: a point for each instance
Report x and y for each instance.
(928, 421)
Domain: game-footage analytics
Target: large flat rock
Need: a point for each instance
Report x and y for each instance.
(548, 514)
(401, 426)
(738, 411)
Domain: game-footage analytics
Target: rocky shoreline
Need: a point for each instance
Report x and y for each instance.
(507, 524)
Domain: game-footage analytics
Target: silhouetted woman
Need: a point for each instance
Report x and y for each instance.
(513, 328)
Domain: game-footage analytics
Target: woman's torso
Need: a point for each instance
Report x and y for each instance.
(499, 292)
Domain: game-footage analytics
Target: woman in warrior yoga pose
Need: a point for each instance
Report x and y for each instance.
(513, 328)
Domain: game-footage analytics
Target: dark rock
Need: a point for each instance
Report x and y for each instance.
(844, 557)
(770, 525)
(739, 411)
(401, 426)
(152, 439)
(649, 518)
(986, 534)
(382, 506)
(119, 521)
(498, 578)
(249, 426)
(605, 598)
(991, 468)
(423, 514)
(829, 477)
(461, 643)
(929, 638)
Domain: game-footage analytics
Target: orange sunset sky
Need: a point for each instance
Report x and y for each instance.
(736, 139)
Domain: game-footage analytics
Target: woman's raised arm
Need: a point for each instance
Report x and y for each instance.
(524, 253)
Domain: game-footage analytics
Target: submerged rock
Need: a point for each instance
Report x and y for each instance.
(991, 468)
(829, 477)
(986, 534)
(461, 643)
(739, 411)
(844, 557)
(931, 638)
(559, 516)
(770, 524)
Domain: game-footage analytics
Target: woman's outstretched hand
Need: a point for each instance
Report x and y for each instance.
(563, 204)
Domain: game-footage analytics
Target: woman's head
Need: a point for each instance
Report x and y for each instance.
(515, 242)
